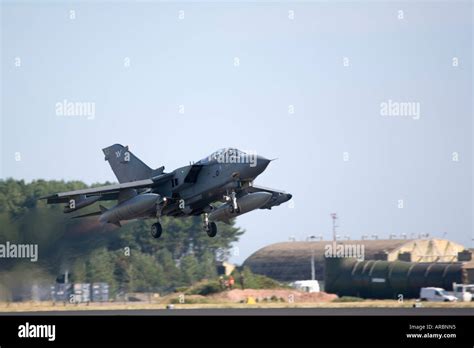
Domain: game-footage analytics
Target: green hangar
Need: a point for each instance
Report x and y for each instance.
(291, 261)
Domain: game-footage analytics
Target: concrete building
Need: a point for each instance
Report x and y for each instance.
(225, 268)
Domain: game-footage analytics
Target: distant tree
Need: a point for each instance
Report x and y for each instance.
(100, 268)
(172, 274)
(79, 271)
(189, 269)
(92, 252)
(145, 273)
(207, 266)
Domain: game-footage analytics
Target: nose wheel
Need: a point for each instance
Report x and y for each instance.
(209, 227)
(156, 230)
(233, 206)
(233, 197)
(234, 210)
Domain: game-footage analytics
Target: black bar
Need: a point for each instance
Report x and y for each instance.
(262, 330)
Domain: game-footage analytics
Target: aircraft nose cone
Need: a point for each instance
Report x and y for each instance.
(251, 170)
(262, 163)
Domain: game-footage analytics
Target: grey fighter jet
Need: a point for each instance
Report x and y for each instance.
(226, 176)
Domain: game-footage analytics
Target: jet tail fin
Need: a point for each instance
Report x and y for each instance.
(125, 165)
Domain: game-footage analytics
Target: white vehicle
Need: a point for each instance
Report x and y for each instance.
(463, 292)
(436, 295)
(306, 285)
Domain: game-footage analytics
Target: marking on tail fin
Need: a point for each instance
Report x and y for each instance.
(125, 165)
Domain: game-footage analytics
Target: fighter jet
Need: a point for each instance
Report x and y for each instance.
(218, 187)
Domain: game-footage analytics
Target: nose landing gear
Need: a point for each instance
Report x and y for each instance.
(234, 207)
(234, 200)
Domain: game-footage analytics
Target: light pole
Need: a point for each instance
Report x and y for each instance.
(313, 275)
(334, 218)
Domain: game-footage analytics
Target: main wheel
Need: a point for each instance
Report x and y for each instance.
(212, 229)
(156, 230)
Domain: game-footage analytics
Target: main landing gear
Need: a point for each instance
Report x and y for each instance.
(209, 226)
(156, 230)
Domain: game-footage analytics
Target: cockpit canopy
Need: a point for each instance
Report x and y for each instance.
(222, 155)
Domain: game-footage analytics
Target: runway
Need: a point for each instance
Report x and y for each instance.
(258, 312)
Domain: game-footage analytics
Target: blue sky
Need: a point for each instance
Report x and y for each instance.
(285, 59)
